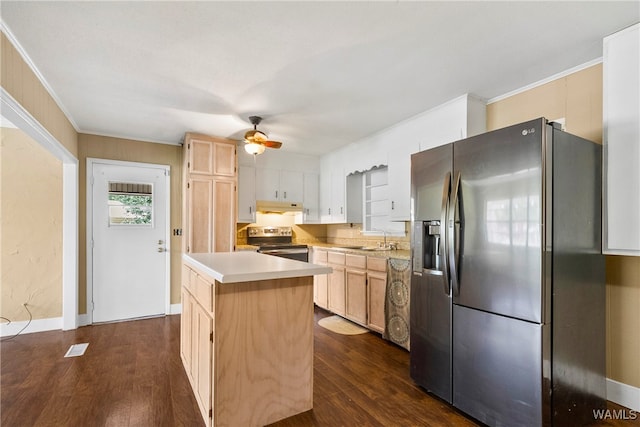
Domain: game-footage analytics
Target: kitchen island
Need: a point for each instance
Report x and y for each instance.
(247, 336)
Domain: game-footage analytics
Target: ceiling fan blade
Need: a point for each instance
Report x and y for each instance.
(259, 136)
(271, 144)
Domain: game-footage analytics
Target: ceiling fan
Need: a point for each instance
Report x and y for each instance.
(256, 141)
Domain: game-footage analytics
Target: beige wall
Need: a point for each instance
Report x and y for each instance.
(578, 98)
(31, 234)
(22, 84)
(102, 147)
(31, 198)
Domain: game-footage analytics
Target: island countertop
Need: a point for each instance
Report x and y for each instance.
(246, 266)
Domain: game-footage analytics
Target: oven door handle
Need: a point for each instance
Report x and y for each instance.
(284, 251)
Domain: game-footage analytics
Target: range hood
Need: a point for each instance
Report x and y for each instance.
(268, 206)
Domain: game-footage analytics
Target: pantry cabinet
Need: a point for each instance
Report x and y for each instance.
(209, 196)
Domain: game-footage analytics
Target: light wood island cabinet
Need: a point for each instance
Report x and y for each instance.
(247, 336)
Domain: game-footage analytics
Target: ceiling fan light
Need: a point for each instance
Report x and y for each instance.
(253, 148)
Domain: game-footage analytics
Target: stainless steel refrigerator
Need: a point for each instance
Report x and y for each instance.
(507, 289)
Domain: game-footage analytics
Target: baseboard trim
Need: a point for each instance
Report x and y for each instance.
(623, 394)
(175, 309)
(36, 325)
(83, 320)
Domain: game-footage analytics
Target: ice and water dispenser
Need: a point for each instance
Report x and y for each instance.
(427, 235)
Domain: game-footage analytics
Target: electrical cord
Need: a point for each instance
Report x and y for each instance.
(21, 330)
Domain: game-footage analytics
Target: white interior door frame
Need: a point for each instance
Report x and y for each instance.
(20, 117)
(89, 229)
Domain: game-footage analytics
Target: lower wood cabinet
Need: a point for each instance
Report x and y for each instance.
(376, 292)
(336, 283)
(356, 289)
(320, 282)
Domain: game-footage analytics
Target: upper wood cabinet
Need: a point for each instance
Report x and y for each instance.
(621, 168)
(209, 194)
(210, 156)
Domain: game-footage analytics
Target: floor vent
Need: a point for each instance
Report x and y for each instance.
(77, 350)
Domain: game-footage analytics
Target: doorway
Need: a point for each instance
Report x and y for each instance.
(127, 240)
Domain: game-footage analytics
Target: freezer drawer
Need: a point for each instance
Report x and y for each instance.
(497, 368)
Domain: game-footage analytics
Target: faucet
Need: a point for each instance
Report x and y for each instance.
(384, 244)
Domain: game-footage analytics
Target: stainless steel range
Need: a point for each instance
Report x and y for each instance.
(277, 241)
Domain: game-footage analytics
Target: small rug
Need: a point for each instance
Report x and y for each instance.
(340, 325)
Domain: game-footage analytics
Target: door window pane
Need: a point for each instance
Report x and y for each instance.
(130, 204)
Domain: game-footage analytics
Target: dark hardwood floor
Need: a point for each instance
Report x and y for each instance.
(132, 375)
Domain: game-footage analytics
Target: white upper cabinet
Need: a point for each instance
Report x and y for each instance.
(399, 178)
(279, 185)
(621, 160)
(291, 186)
(332, 190)
(457, 119)
(246, 194)
(310, 200)
(278, 176)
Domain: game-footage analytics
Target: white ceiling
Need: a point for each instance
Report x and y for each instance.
(322, 74)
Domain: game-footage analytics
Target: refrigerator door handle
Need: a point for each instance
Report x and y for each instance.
(446, 188)
(451, 234)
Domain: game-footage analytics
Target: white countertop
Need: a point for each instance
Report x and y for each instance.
(247, 266)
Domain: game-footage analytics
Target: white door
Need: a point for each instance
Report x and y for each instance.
(130, 248)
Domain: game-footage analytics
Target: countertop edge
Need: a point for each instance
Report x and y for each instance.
(310, 270)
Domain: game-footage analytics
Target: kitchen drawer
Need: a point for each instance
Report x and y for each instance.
(356, 261)
(204, 293)
(335, 258)
(376, 263)
(319, 256)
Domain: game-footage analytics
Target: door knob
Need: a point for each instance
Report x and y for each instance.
(161, 249)
(160, 242)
